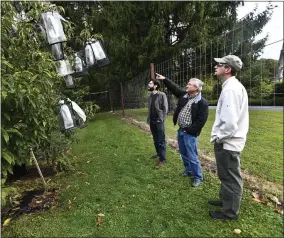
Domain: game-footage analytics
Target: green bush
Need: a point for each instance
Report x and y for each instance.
(267, 102)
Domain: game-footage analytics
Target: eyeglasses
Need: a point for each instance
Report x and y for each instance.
(221, 65)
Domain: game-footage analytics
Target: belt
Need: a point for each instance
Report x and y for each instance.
(183, 129)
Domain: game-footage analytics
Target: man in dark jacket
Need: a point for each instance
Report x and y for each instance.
(157, 113)
(191, 115)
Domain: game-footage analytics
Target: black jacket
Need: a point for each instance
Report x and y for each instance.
(199, 109)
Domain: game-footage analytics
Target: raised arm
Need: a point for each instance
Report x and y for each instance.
(172, 87)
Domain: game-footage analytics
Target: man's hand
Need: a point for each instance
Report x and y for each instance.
(160, 77)
(213, 139)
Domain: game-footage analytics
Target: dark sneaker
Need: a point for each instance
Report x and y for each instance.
(216, 203)
(160, 164)
(184, 173)
(217, 215)
(196, 182)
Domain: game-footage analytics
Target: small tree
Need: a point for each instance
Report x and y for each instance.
(30, 85)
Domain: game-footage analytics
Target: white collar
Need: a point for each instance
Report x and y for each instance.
(227, 80)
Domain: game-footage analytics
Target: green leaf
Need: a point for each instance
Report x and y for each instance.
(47, 73)
(36, 120)
(5, 135)
(4, 173)
(9, 169)
(44, 123)
(7, 116)
(7, 157)
(7, 64)
(15, 131)
(4, 94)
(3, 197)
(32, 102)
(3, 181)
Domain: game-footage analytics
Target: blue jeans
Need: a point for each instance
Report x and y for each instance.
(188, 151)
(158, 131)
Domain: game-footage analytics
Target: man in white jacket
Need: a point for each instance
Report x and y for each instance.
(229, 136)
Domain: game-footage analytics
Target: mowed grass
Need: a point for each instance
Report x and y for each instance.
(263, 153)
(115, 176)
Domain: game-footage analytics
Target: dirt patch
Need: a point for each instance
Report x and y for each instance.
(31, 202)
(208, 163)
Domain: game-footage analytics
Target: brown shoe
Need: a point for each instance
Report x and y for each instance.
(160, 164)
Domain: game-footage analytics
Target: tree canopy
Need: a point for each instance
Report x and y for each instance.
(137, 33)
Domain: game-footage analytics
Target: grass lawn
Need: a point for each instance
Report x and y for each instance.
(119, 180)
(263, 153)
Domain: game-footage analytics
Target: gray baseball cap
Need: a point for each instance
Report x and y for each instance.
(231, 60)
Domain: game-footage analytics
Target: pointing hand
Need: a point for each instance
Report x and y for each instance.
(160, 77)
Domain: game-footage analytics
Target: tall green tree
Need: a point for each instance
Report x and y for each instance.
(138, 33)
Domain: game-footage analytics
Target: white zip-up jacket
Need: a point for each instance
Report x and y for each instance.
(232, 117)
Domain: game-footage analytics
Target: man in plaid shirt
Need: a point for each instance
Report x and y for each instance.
(191, 115)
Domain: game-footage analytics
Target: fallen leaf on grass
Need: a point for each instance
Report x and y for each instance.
(269, 204)
(69, 204)
(237, 231)
(257, 195)
(88, 161)
(6, 222)
(275, 199)
(69, 186)
(100, 220)
(257, 200)
(280, 211)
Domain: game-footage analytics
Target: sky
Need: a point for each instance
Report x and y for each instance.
(274, 28)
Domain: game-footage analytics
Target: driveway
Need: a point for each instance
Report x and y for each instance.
(264, 108)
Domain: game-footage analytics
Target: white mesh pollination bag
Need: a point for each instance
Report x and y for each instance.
(69, 81)
(63, 68)
(70, 115)
(95, 55)
(99, 53)
(80, 66)
(53, 27)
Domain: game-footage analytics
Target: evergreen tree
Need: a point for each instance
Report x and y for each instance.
(138, 33)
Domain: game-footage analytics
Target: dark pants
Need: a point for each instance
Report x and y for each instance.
(158, 132)
(228, 168)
